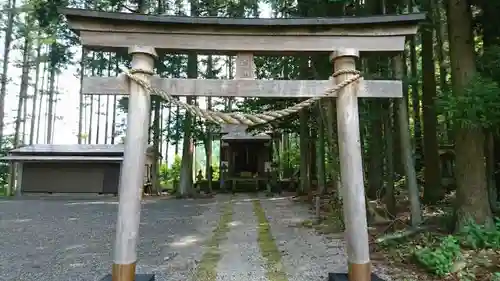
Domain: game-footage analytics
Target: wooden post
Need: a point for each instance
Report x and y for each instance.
(132, 174)
(10, 179)
(351, 170)
(18, 168)
(317, 203)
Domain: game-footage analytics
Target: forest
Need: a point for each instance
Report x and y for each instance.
(440, 225)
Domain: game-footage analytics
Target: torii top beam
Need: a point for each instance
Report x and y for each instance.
(112, 31)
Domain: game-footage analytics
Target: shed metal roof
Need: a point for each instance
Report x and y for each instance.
(74, 150)
(41, 158)
(70, 149)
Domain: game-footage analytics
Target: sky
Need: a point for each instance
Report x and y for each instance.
(66, 124)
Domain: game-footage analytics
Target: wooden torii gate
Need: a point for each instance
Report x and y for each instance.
(344, 38)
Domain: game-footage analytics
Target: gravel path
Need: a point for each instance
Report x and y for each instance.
(241, 258)
(60, 238)
(306, 255)
(64, 239)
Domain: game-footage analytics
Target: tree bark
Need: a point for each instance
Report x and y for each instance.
(415, 98)
(304, 151)
(472, 192)
(432, 188)
(35, 90)
(209, 137)
(321, 151)
(40, 100)
(375, 151)
(389, 197)
(81, 97)
(186, 176)
(23, 91)
(52, 84)
(6, 53)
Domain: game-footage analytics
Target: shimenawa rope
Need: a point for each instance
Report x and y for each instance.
(238, 118)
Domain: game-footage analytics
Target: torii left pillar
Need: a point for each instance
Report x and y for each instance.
(132, 172)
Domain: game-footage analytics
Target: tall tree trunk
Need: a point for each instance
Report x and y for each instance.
(23, 91)
(389, 197)
(415, 97)
(11, 6)
(52, 83)
(115, 104)
(106, 123)
(472, 192)
(209, 137)
(56, 93)
(489, 151)
(304, 117)
(432, 188)
(35, 90)
(40, 101)
(156, 145)
(169, 133)
(441, 54)
(186, 180)
(304, 151)
(81, 97)
(25, 115)
(91, 118)
(91, 97)
(375, 151)
(162, 134)
(491, 38)
(285, 155)
(406, 151)
(321, 151)
(312, 155)
(98, 121)
(177, 129)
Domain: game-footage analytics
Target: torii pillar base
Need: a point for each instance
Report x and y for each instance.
(345, 277)
(138, 277)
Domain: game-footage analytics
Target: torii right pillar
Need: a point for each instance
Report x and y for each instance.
(351, 171)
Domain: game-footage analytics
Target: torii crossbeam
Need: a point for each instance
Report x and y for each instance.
(144, 35)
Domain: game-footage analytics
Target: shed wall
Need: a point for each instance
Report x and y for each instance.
(66, 177)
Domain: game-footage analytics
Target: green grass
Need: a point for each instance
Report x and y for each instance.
(267, 245)
(207, 267)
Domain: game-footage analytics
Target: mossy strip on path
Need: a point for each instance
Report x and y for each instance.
(269, 250)
(207, 267)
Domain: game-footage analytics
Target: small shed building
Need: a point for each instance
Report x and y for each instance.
(245, 158)
(76, 168)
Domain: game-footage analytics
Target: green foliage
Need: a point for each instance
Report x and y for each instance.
(175, 169)
(6, 146)
(444, 257)
(216, 172)
(481, 237)
(473, 107)
(170, 175)
(439, 260)
(291, 158)
(489, 62)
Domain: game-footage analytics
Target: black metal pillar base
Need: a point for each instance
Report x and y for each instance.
(138, 277)
(343, 277)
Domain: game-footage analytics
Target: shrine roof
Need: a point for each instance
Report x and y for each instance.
(245, 136)
(116, 17)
